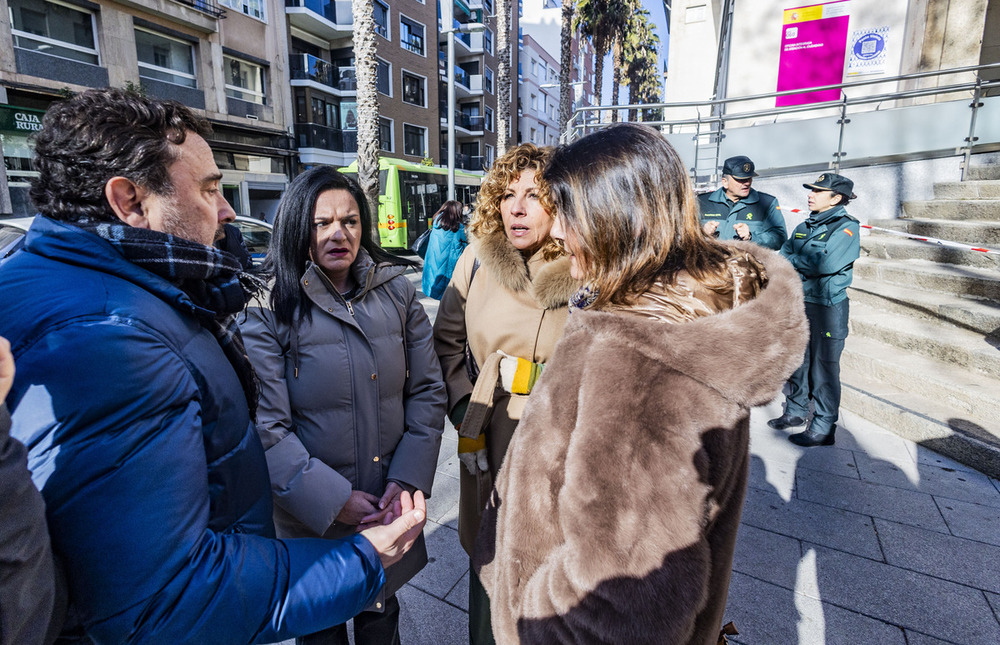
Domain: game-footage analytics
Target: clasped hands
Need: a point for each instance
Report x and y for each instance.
(365, 510)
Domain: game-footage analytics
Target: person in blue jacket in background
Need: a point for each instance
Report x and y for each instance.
(738, 212)
(823, 250)
(136, 400)
(446, 243)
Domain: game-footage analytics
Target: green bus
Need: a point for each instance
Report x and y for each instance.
(410, 194)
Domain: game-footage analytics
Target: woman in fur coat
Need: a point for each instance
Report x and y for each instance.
(508, 293)
(615, 513)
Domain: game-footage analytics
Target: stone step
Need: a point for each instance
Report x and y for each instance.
(936, 421)
(968, 393)
(931, 276)
(984, 171)
(976, 233)
(954, 209)
(887, 247)
(974, 314)
(930, 338)
(973, 189)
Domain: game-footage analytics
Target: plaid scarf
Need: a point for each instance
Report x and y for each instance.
(213, 280)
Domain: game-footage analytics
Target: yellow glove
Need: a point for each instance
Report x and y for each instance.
(472, 454)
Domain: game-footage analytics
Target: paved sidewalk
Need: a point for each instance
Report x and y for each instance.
(873, 541)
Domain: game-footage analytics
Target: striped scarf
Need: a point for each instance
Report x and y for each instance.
(213, 280)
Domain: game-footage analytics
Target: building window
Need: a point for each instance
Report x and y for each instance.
(383, 76)
(534, 136)
(489, 118)
(534, 103)
(381, 11)
(164, 59)
(413, 140)
(244, 81)
(534, 68)
(411, 35)
(489, 155)
(488, 5)
(413, 89)
(488, 80)
(488, 41)
(254, 8)
(55, 29)
(384, 134)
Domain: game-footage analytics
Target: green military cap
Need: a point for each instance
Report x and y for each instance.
(738, 167)
(836, 183)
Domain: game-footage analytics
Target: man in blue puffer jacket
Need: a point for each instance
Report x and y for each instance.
(136, 401)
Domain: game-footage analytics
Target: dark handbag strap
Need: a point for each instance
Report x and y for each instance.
(471, 367)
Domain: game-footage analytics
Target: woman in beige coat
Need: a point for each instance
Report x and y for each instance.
(508, 294)
(615, 513)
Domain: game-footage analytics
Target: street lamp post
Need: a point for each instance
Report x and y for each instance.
(447, 13)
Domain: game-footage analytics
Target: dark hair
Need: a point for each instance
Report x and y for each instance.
(449, 216)
(100, 134)
(624, 195)
(844, 199)
(288, 256)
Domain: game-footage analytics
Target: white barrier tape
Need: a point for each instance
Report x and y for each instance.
(922, 238)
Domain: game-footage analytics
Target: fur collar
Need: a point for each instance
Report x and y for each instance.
(551, 286)
(745, 353)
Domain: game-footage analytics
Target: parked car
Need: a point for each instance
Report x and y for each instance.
(12, 233)
(256, 235)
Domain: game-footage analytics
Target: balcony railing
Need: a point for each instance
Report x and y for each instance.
(472, 122)
(311, 68)
(325, 8)
(206, 6)
(314, 135)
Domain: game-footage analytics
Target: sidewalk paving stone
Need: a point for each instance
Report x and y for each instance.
(826, 525)
(767, 556)
(897, 504)
(912, 600)
(972, 521)
(944, 556)
(768, 614)
(940, 481)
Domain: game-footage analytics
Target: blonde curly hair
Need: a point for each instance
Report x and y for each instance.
(487, 220)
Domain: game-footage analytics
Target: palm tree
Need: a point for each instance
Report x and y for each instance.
(639, 61)
(503, 76)
(601, 21)
(366, 68)
(565, 63)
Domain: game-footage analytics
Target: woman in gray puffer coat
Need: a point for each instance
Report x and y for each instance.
(352, 401)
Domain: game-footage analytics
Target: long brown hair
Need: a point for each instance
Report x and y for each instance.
(487, 219)
(449, 216)
(624, 196)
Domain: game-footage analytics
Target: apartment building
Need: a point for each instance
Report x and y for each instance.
(475, 73)
(541, 33)
(226, 59)
(324, 89)
(538, 109)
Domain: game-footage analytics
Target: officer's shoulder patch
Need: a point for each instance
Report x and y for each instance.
(849, 232)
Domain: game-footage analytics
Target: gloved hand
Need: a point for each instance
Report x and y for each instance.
(518, 375)
(472, 454)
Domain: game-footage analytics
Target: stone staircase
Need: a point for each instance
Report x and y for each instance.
(923, 356)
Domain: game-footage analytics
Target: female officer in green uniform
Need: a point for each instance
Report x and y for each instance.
(823, 250)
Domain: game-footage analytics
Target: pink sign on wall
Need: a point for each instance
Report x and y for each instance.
(813, 47)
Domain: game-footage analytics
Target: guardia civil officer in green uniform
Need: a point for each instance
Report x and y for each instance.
(738, 212)
(823, 250)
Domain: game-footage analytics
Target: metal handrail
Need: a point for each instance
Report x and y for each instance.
(713, 125)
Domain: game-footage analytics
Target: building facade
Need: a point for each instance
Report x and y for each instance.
(538, 109)
(323, 82)
(168, 49)
(476, 92)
